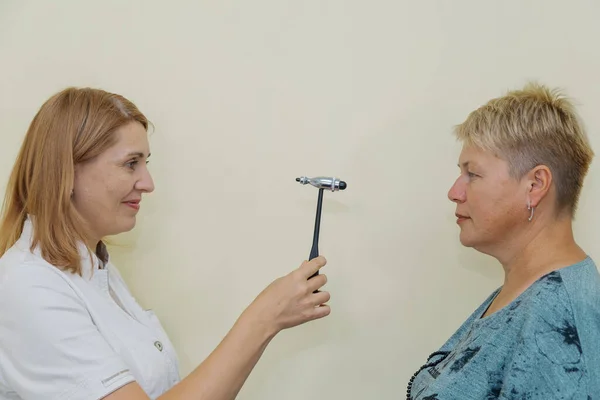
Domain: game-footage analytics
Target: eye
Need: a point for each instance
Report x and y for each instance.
(472, 175)
(131, 164)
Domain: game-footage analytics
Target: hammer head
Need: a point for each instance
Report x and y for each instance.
(323, 182)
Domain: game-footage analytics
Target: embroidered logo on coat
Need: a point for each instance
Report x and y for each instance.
(111, 379)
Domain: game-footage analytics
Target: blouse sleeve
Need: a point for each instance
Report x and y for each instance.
(50, 347)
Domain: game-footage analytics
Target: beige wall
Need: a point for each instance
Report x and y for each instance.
(248, 95)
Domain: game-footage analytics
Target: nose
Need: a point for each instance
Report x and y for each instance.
(145, 183)
(457, 192)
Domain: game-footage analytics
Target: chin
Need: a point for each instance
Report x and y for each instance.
(129, 225)
(477, 244)
(124, 225)
(467, 244)
(466, 240)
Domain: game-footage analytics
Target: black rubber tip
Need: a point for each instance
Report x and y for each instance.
(297, 179)
(343, 185)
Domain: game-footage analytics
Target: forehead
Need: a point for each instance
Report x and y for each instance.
(131, 138)
(471, 156)
(476, 156)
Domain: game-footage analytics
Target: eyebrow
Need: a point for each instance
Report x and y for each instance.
(138, 154)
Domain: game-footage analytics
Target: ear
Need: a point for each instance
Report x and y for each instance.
(539, 181)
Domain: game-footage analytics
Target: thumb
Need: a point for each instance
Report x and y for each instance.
(308, 268)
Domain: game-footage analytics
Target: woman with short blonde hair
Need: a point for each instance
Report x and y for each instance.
(522, 167)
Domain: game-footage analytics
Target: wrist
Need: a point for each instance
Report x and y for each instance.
(255, 324)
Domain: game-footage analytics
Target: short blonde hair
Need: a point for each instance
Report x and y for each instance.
(534, 126)
(72, 127)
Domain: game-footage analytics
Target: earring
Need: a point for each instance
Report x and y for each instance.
(531, 209)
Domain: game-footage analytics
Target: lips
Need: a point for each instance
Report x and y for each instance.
(135, 204)
(460, 218)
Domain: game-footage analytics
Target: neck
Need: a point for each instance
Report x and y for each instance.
(91, 239)
(92, 244)
(540, 250)
(542, 247)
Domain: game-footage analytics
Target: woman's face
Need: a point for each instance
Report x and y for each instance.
(490, 204)
(108, 189)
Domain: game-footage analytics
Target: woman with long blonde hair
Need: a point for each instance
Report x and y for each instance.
(69, 327)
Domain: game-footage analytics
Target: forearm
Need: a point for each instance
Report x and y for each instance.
(222, 374)
(288, 301)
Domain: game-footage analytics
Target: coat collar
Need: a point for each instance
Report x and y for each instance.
(90, 261)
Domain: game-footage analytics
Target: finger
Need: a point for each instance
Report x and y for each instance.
(317, 282)
(320, 298)
(308, 268)
(320, 312)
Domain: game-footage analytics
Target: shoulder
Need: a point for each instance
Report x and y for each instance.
(568, 295)
(582, 282)
(23, 273)
(545, 313)
(550, 353)
(50, 346)
(34, 295)
(563, 291)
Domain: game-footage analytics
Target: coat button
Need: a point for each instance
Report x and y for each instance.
(158, 345)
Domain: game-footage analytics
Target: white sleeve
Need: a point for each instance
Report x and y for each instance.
(49, 346)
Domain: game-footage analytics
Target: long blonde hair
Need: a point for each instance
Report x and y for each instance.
(73, 126)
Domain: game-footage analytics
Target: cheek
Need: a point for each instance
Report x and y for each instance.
(102, 191)
(495, 208)
(118, 189)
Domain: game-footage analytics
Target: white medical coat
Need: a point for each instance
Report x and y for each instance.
(70, 337)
